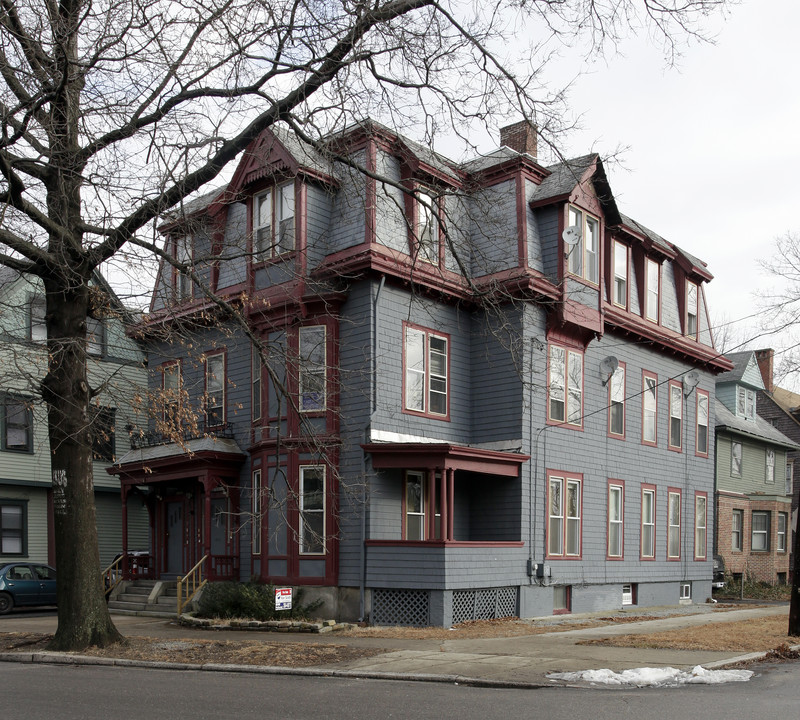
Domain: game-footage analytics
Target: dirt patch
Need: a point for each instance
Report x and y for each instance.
(200, 652)
(746, 636)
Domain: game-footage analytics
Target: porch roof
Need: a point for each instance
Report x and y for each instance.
(445, 456)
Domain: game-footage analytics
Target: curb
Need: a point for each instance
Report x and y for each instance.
(55, 658)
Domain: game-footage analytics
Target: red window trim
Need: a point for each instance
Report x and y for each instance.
(567, 610)
(679, 493)
(428, 332)
(206, 355)
(653, 376)
(438, 209)
(705, 394)
(162, 369)
(613, 482)
(645, 487)
(670, 446)
(567, 350)
(704, 556)
(647, 262)
(624, 404)
(613, 280)
(299, 201)
(566, 477)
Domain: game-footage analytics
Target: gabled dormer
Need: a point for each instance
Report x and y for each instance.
(737, 389)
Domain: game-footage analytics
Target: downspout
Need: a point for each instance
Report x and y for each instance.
(372, 409)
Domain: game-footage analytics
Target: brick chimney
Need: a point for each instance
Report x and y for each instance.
(765, 358)
(520, 136)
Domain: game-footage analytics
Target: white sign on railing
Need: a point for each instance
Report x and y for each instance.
(283, 598)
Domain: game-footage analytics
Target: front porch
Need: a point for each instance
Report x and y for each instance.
(191, 491)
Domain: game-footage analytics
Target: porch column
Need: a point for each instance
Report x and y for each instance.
(451, 496)
(125, 490)
(445, 519)
(208, 483)
(430, 531)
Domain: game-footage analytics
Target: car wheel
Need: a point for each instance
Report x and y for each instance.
(6, 603)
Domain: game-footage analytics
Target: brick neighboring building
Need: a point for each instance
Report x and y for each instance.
(753, 507)
(781, 408)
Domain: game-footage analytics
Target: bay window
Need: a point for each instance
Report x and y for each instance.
(583, 256)
(312, 510)
(312, 371)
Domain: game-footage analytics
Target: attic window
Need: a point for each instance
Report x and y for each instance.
(273, 221)
(691, 309)
(582, 259)
(746, 403)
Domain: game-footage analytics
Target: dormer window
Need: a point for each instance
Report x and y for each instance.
(183, 254)
(746, 403)
(620, 274)
(273, 221)
(427, 228)
(691, 309)
(653, 290)
(582, 259)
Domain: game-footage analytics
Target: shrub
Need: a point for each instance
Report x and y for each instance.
(252, 600)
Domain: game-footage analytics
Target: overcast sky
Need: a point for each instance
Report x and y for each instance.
(713, 155)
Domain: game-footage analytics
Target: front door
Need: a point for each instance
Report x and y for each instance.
(174, 563)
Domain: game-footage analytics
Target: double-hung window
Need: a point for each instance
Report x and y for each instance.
(620, 274)
(675, 415)
(427, 230)
(565, 387)
(701, 436)
(183, 281)
(648, 543)
(781, 538)
(37, 327)
(649, 408)
(583, 256)
(417, 508)
(95, 336)
(700, 524)
(692, 293)
(17, 425)
(255, 509)
(653, 290)
(769, 469)
(426, 363)
(256, 369)
(673, 524)
(273, 221)
(215, 390)
(312, 509)
(564, 516)
(789, 485)
(13, 527)
(616, 402)
(737, 526)
(759, 540)
(313, 368)
(746, 403)
(102, 433)
(616, 494)
(736, 459)
(171, 392)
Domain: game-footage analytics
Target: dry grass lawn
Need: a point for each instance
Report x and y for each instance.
(747, 636)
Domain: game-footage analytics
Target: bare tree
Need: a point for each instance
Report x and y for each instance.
(114, 111)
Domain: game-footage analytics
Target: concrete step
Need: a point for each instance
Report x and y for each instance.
(125, 605)
(138, 590)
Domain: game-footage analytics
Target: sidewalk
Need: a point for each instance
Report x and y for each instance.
(503, 662)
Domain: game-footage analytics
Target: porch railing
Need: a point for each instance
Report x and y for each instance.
(138, 567)
(190, 584)
(112, 575)
(223, 567)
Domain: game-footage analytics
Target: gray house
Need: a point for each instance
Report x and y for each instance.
(484, 390)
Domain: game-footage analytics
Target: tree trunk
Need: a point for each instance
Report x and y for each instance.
(83, 617)
(794, 605)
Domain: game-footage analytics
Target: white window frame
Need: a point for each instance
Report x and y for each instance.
(692, 303)
(769, 466)
(583, 257)
(760, 536)
(312, 372)
(37, 324)
(616, 402)
(620, 292)
(426, 360)
(312, 541)
(686, 591)
(647, 547)
(700, 526)
(701, 430)
(653, 294)
(783, 523)
(184, 251)
(649, 408)
(789, 480)
(737, 530)
(274, 226)
(427, 229)
(564, 524)
(674, 525)
(256, 396)
(737, 452)
(565, 386)
(675, 416)
(615, 546)
(415, 479)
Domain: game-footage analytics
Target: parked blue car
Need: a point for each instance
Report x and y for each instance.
(24, 583)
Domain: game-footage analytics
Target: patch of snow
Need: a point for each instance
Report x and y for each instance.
(654, 677)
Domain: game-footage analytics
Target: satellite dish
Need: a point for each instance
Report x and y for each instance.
(690, 381)
(608, 366)
(571, 235)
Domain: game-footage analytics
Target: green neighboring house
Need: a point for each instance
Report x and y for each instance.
(117, 367)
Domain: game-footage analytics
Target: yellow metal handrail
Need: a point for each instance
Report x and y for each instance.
(112, 575)
(193, 580)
